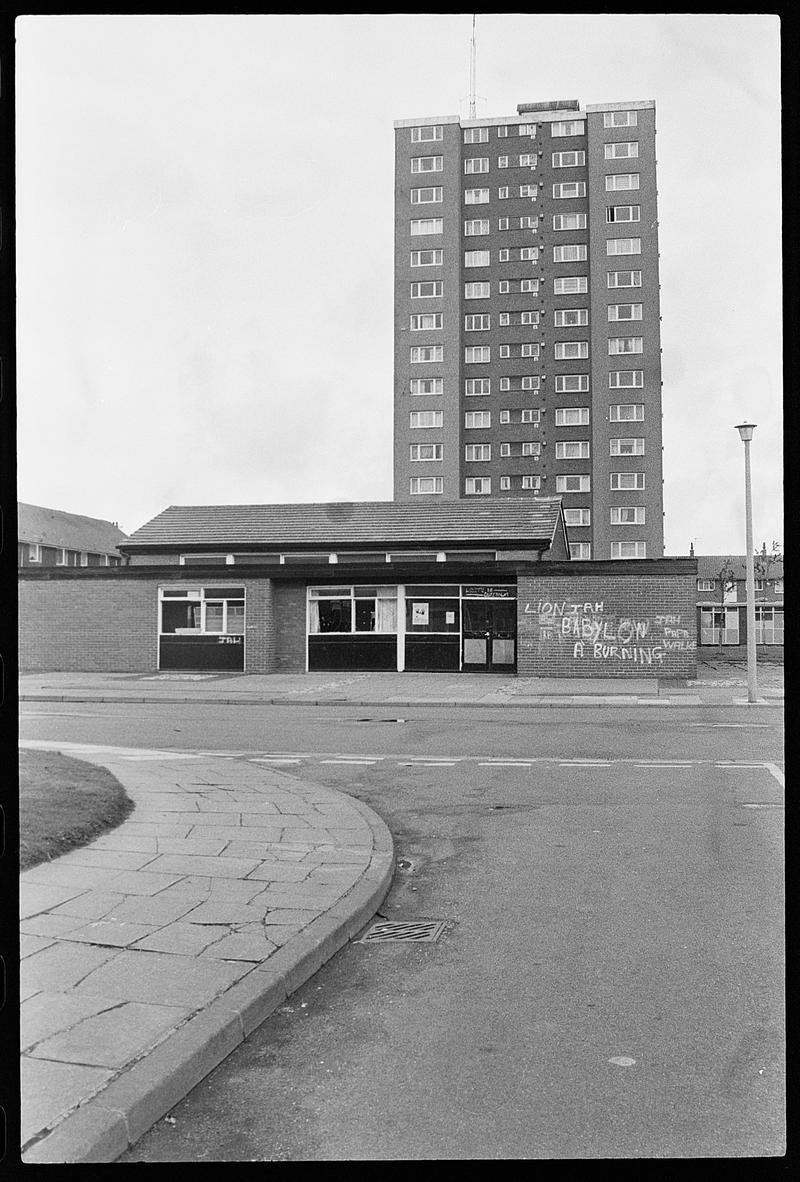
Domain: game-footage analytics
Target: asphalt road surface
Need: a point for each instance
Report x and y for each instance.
(608, 983)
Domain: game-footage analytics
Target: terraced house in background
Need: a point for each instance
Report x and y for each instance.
(527, 339)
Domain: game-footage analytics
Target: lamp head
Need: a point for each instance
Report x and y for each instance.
(745, 431)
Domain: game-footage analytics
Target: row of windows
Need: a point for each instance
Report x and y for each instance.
(566, 285)
(477, 226)
(420, 485)
(482, 354)
(572, 253)
(760, 585)
(430, 133)
(618, 182)
(480, 164)
(575, 416)
(565, 383)
(482, 419)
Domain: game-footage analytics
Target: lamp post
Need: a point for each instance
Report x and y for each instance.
(746, 434)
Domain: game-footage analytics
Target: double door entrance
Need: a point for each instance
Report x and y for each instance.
(489, 635)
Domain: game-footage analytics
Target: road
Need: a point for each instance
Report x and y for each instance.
(609, 981)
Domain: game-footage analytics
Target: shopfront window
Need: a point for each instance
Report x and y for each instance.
(201, 628)
(352, 609)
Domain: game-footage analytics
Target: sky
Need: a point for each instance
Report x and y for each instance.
(205, 219)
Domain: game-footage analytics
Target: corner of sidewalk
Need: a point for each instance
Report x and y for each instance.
(106, 1123)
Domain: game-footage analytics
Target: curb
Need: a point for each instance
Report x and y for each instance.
(547, 702)
(107, 1124)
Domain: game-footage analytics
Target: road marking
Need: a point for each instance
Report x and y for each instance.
(273, 759)
(505, 763)
(744, 726)
(775, 771)
(584, 763)
(430, 763)
(57, 714)
(664, 763)
(350, 762)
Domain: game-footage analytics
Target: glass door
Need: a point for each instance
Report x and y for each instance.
(489, 635)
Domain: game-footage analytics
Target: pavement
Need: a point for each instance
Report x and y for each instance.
(717, 684)
(148, 955)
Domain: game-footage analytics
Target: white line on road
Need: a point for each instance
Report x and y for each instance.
(350, 762)
(775, 771)
(744, 726)
(505, 763)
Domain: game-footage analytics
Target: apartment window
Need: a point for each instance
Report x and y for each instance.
(426, 258)
(568, 159)
(426, 163)
(626, 412)
(505, 450)
(528, 160)
(528, 222)
(623, 213)
(528, 286)
(477, 353)
(580, 551)
(505, 483)
(574, 253)
(428, 196)
(425, 321)
(531, 482)
(622, 180)
(571, 317)
(624, 278)
(620, 118)
(477, 418)
(426, 353)
(424, 452)
(627, 515)
(502, 161)
(503, 193)
(570, 350)
(477, 452)
(719, 625)
(420, 386)
(568, 127)
(529, 254)
(423, 135)
(503, 224)
(531, 449)
(505, 351)
(622, 379)
(505, 416)
(529, 349)
(476, 226)
(526, 129)
(577, 517)
(476, 291)
(427, 226)
(769, 625)
(572, 449)
(760, 584)
(476, 135)
(568, 484)
(570, 189)
(706, 584)
(627, 481)
(624, 312)
(503, 256)
(571, 285)
(617, 345)
(422, 485)
(476, 164)
(418, 419)
(569, 221)
(530, 415)
(624, 246)
(477, 485)
(572, 383)
(627, 447)
(572, 416)
(502, 131)
(529, 317)
(778, 586)
(477, 386)
(476, 258)
(629, 550)
(476, 196)
(622, 150)
(478, 323)
(427, 290)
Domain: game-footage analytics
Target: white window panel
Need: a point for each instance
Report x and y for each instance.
(476, 164)
(570, 350)
(531, 448)
(423, 322)
(568, 484)
(580, 551)
(419, 419)
(627, 481)
(504, 256)
(502, 131)
(529, 317)
(477, 353)
(620, 118)
(425, 386)
(623, 246)
(569, 189)
(426, 163)
(528, 222)
(426, 290)
(569, 221)
(573, 253)
(624, 278)
(478, 485)
(476, 291)
(502, 161)
(629, 550)
(626, 412)
(528, 285)
(526, 129)
(476, 258)
(474, 419)
(430, 196)
(505, 417)
(425, 452)
(568, 159)
(624, 312)
(503, 224)
(622, 150)
(531, 482)
(477, 323)
(503, 193)
(529, 254)
(617, 345)
(572, 416)
(624, 213)
(627, 515)
(530, 415)
(477, 387)
(572, 449)
(571, 317)
(572, 383)
(621, 181)
(571, 285)
(528, 160)
(427, 226)
(505, 483)
(477, 452)
(476, 196)
(624, 379)
(529, 349)
(426, 258)
(577, 517)
(627, 447)
(476, 226)
(567, 127)
(476, 135)
(422, 135)
(531, 191)
(420, 485)
(421, 354)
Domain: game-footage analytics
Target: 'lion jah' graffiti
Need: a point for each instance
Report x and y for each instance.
(597, 635)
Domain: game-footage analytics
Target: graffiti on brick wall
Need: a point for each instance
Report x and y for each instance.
(597, 634)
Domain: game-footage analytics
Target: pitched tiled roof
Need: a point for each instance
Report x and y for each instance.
(710, 565)
(360, 523)
(70, 531)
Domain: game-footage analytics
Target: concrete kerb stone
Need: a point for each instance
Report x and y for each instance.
(103, 1127)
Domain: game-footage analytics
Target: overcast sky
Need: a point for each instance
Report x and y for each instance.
(205, 246)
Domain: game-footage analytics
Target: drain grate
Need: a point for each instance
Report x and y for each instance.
(418, 930)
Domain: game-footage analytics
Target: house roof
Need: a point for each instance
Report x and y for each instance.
(70, 531)
(532, 521)
(710, 565)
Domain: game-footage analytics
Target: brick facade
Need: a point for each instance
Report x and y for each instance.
(290, 638)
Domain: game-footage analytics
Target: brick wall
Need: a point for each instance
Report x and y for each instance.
(290, 627)
(606, 625)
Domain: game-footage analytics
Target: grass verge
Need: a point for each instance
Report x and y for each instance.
(63, 804)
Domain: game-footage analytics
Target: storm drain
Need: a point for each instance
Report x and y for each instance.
(418, 930)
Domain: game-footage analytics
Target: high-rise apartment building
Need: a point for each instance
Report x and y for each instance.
(527, 341)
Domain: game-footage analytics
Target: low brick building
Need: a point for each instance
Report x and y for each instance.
(722, 605)
(51, 537)
(364, 586)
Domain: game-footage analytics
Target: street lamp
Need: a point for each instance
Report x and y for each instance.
(746, 434)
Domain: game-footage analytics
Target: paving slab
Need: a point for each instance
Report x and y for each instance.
(153, 951)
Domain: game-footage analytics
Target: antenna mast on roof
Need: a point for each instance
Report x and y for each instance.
(472, 72)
